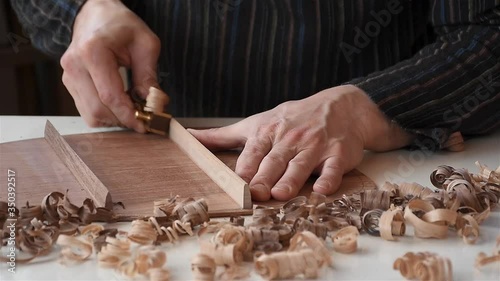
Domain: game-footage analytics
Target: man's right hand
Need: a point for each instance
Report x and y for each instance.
(107, 35)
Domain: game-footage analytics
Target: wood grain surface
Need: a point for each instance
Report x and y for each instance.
(137, 170)
(85, 177)
(39, 171)
(221, 174)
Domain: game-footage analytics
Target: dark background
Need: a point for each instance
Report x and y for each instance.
(30, 82)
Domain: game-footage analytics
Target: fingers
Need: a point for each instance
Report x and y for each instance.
(144, 56)
(298, 171)
(249, 160)
(81, 87)
(270, 171)
(220, 138)
(103, 68)
(331, 176)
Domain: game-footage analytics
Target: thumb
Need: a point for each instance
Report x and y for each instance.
(219, 138)
(144, 57)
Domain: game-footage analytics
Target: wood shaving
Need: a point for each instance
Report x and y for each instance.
(114, 252)
(482, 259)
(222, 254)
(193, 211)
(203, 267)
(158, 274)
(370, 221)
(424, 266)
(433, 224)
(171, 231)
(142, 232)
(74, 249)
(468, 228)
(234, 272)
(307, 240)
(287, 265)
(392, 224)
(346, 240)
(375, 199)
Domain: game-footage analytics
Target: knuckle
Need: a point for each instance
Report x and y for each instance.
(301, 164)
(106, 97)
(153, 43)
(256, 147)
(275, 158)
(87, 48)
(296, 134)
(67, 61)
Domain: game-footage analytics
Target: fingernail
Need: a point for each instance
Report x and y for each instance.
(260, 188)
(282, 189)
(322, 187)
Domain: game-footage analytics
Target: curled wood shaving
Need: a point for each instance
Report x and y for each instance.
(264, 214)
(375, 199)
(482, 259)
(392, 223)
(142, 232)
(114, 252)
(238, 220)
(27, 213)
(100, 240)
(287, 265)
(93, 230)
(319, 229)
(234, 272)
(439, 175)
(147, 257)
(194, 212)
(171, 233)
(74, 249)
(424, 266)
(203, 267)
(346, 240)
(222, 254)
(370, 222)
(307, 240)
(468, 228)
(265, 240)
(158, 274)
(433, 224)
(37, 238)
(230, 234)
(164, 207)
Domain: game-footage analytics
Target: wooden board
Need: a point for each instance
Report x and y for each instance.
(137, 169)
(220, 174)
(82, 173)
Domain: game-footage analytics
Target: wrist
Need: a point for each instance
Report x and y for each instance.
(377, 131)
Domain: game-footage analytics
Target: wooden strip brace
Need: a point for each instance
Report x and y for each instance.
(96, 190)
(221, 174)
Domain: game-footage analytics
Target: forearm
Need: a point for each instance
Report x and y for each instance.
(452, 85)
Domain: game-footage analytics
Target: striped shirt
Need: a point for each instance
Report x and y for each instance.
(431, 66)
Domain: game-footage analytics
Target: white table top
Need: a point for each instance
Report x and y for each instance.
(373, 260)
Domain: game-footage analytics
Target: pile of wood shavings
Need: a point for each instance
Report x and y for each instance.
(279, 241)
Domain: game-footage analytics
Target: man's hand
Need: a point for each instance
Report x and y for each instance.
(107, 35)
(323, 134)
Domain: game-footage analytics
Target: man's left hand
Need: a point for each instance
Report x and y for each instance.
(323, 134)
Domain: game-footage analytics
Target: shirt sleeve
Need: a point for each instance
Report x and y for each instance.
(48, 23)
(450, 86)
